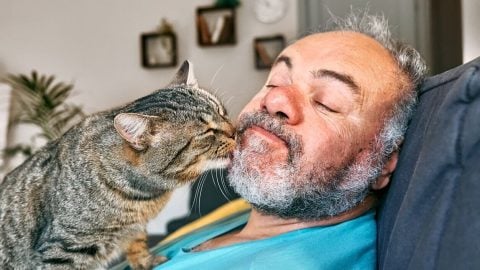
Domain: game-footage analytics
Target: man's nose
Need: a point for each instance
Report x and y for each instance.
(283, 103)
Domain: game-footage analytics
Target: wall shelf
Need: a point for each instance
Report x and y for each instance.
(266, 49)
(216, 26)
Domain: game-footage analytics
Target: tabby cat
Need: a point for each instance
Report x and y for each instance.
(83, 199)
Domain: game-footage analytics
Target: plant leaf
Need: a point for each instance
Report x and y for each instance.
(42, 103)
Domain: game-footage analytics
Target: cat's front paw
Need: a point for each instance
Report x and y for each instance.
(148, 263)
(156, 260)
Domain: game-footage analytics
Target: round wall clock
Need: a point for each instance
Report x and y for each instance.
(270, 11)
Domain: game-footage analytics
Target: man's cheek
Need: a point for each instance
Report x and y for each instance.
(251, 106)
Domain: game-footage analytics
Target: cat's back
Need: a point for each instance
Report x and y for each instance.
(22, 191)
(23, 194)
(31, 171)
(42, 168)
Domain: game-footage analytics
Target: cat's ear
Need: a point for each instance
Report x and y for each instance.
(185, 75)
(134, 128)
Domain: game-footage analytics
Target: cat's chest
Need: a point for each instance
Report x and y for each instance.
(133, 211)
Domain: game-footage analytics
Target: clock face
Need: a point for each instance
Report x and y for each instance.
(270, 11)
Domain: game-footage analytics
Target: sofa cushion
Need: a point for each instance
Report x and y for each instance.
(430, 216)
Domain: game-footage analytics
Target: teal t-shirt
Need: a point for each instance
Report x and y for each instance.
(348, 245)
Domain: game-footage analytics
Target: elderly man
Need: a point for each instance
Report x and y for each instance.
(314, 145)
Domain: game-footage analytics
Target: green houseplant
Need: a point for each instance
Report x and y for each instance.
(40, 101)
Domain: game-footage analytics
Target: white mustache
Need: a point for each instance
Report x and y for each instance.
(274, 126)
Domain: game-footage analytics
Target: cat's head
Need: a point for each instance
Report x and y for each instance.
(177, 132)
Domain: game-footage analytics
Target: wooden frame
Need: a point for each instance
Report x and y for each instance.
(266, 50)
(159, 50)
(216, 26)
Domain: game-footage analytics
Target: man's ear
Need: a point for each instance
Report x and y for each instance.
(387, 171)
(134, 128)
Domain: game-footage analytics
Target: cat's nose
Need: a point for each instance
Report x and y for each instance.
(230, 130)
(233, 132)
(233, 136)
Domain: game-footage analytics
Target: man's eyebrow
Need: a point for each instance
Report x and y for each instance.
(344, 78)
(283, 59)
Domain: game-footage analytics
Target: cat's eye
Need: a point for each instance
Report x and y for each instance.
(203, 120)
(216, 132)
(210, 130)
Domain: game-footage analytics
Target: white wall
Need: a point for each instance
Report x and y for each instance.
(95, 44)
(5, 91)
(408, 19)
(470, 23)
(400, 14)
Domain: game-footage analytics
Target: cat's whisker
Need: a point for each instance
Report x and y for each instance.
(227, 103)
(219, 186)
(215, 183)
(223, 180)
(222, 98)
(205, 179)
(200, 195)
(194, 199)
(216, 92)
(215, 75)
(197, 191)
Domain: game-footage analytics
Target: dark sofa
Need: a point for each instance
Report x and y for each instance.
(430, 216)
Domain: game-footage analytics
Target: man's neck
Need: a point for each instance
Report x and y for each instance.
(260, 226)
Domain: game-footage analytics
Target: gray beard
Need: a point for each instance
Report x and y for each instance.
(293, 190)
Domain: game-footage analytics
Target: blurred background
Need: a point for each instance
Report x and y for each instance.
(111, 52)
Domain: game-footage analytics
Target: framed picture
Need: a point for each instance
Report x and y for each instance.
(266, 50)
(216, 26)
(159, 50)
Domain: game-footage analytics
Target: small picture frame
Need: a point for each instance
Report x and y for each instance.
(266, 49)
(159, 50)
(216, 26)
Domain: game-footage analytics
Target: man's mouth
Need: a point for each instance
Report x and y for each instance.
(262, 126)
(269, 136)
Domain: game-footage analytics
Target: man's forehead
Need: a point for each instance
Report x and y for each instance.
(341, 44)
(343, 51)
(356, 59)
(355, 39)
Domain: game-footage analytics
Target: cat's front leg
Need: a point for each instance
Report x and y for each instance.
(56, 255)
(139, 256)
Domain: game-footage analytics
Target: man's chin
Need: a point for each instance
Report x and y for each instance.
(265, 164)
(266, 167)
